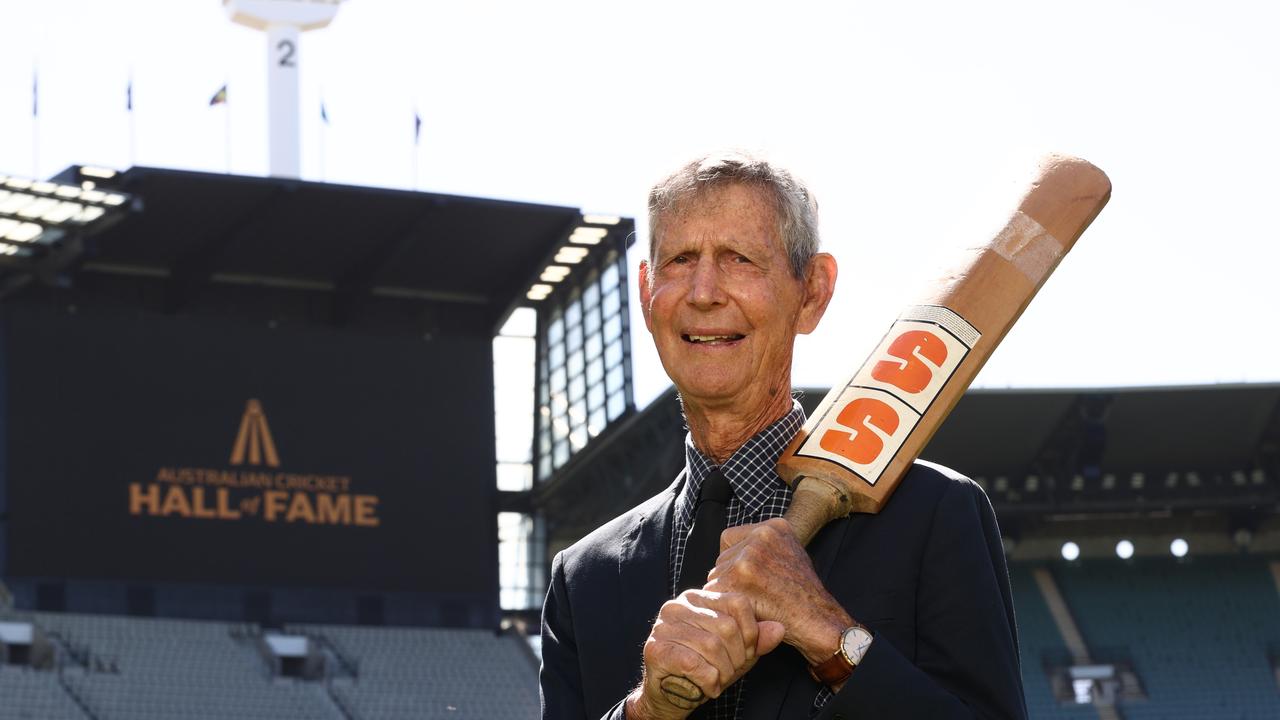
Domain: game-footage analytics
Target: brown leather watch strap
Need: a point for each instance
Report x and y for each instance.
(832, 671)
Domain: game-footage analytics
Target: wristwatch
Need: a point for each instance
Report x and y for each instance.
(854, 642)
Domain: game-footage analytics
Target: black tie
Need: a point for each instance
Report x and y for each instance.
(703, 546)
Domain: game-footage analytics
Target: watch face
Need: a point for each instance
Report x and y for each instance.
(854, 643)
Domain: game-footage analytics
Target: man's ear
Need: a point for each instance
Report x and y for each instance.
(646, 293)
(819, 285)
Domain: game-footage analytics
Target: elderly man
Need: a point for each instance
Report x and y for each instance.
(902, 614)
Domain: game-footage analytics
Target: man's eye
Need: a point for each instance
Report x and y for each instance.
(679, 260)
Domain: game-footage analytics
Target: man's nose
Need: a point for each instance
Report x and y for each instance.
(706, 288)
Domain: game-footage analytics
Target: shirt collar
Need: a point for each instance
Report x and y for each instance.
(751, 470)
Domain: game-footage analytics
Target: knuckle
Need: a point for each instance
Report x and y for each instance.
(707, 677)
(688, 662)
(725, 626)
(706, 645)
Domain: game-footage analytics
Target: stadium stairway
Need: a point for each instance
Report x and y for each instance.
(1038, 639)
(1199, 632)
(432, 673)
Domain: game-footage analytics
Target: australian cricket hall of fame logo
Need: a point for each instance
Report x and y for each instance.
(253, 487)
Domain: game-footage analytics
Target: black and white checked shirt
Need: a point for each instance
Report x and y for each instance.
(758, 495)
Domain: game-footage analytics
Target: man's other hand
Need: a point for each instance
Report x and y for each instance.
(710, 638)
(766, 563)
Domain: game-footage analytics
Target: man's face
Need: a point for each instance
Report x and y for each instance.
(723, 305)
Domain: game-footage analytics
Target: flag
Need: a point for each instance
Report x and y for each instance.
(220, 97)
(128, 96)
(324, 116)
(35, 93)
(417, 127)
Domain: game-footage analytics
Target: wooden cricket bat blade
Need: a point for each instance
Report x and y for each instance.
(863, 437)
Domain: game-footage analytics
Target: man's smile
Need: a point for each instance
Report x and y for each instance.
(712, 338)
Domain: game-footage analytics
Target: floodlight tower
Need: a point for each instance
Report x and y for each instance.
(283, 21)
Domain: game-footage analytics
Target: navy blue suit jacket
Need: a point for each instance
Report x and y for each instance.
(927, 575)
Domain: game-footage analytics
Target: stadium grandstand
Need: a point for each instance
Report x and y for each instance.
(233, 411)
(1139, 524)
(275, 448)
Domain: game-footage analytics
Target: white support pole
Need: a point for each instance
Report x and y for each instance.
(284, 141)
(283, 21)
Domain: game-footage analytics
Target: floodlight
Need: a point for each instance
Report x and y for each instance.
(1070, 551)
(98, 172)
(1124, 549)
(571, 255)
(37, 216)
(601, 219)
(539, 291)
(24, 232)
(554, 273)
(588, 235)
(1179, 547)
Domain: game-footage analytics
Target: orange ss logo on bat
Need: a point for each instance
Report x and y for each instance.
(877, 411)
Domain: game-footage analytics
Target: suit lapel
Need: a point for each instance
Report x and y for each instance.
(643, 573)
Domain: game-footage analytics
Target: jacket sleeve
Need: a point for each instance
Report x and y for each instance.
(560, 679)
(966, 663)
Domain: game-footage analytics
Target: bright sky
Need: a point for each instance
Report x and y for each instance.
(915, 122)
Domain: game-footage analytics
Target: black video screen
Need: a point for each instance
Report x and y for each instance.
(141, 446)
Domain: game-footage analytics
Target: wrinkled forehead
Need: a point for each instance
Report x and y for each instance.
(710, 199)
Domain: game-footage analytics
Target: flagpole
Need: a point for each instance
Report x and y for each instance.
(226, 130)
(417, 148)
(324, 129)
(35, 122)
(133, 126)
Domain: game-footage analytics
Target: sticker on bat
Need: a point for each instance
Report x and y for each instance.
(871, 418)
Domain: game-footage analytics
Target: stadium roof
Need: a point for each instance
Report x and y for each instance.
(994, 432)
(1205, 446)
(205, 227)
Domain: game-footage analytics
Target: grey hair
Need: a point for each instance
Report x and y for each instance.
(794, 205)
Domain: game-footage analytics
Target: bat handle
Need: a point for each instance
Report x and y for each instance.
(815, 502)
(681, 692)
